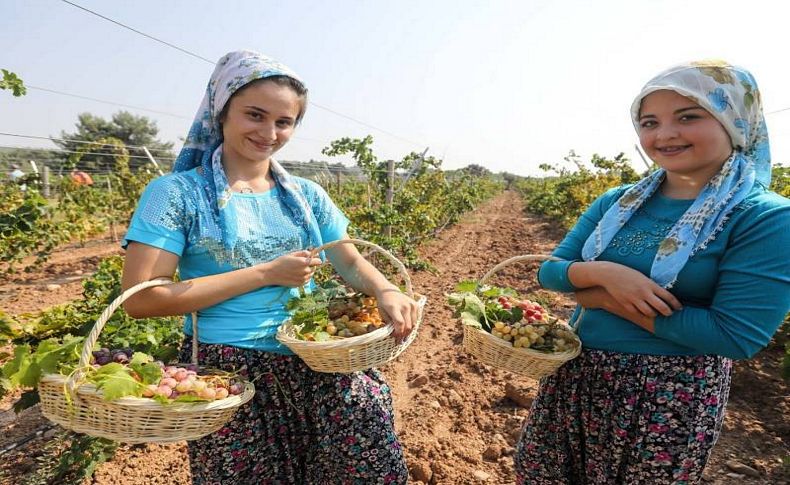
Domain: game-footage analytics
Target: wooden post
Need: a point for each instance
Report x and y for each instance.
(414, 167)
(337, 180)
(113, 233)
(390, 191)
(153, 161)
(45, 182)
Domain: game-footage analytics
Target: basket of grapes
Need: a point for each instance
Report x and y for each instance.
(334, 329)
(127, 396)
(509, 332)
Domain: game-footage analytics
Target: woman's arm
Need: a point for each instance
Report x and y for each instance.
(752, 294)
(396, 307)
(553, 275)
(632, 289)
(597, 297)
(751, 298)
(144, 262)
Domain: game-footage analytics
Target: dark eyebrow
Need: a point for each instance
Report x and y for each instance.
(677, 111)
(682, 110)
(255, 108)
(261, 110)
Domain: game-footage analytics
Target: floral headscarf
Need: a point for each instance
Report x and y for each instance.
(730, 94)
(203, 146)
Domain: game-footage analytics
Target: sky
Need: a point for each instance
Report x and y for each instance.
(504, 84)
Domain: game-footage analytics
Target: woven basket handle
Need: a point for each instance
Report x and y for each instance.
(529, 257)
(516, 259)
(376, 249)
(93, 336)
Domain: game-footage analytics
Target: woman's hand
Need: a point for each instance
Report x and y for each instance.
(594, 298)
(598, 298)
(290, 270)
(398, 309)
(636, 292)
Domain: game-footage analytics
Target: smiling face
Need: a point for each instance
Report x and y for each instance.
(259, 120)
(682, 137)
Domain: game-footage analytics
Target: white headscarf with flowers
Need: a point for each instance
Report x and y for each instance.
(203, 145)
(730, 94)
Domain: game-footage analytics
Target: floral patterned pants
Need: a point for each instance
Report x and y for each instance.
(615, 418)
(302, 427)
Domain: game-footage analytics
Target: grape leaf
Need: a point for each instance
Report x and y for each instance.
(120, 385)
(495, 291)
(51, 355)
(115, 381)
(466, 286)
(21, 359)
(468, 302)
(471, 320)
(140, 358)
(321, 336)
(149, 372)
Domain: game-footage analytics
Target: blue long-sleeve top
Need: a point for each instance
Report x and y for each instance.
(735, 292)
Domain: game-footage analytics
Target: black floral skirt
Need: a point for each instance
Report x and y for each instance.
(614, 418)
(302, 427)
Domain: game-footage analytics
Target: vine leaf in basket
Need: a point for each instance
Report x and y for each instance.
(309, 313)
(26, 368)
(468, 286)
(471, 320)
(495, 291)
(115, 381)
(143, 365)
(321, 336)
(469, 307)
(498, 314)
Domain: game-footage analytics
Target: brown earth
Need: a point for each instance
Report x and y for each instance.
(458, 419)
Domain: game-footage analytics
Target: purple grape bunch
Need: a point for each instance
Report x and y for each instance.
(104, 356)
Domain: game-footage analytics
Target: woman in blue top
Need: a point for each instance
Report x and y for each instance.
(679, 274)
(237, 227)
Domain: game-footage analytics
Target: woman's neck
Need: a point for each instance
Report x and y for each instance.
(687, 185)
(247, 175)
(677, 186)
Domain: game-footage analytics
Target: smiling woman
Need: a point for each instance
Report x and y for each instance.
(258, 120)
(238, 228)
(684, 139)
(676, 282)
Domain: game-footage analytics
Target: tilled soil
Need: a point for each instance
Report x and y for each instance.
(457, 419)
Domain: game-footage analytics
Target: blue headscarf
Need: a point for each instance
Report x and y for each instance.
(730, 94)
(203, 145)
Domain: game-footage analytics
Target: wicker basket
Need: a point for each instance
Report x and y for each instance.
(352, 354)
(131, 419)
(501, 354)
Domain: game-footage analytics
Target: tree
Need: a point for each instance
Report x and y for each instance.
(20, 156)
(476, 170)
(12, 82)
(130, 129)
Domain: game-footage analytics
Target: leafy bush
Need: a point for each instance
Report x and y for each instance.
(53, 335)
(425, 199)
(566, 195)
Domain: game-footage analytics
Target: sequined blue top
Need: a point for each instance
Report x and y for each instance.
(174, 214)
(735, 291)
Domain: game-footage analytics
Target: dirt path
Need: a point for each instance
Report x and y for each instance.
(57, 281)
(458, 419)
